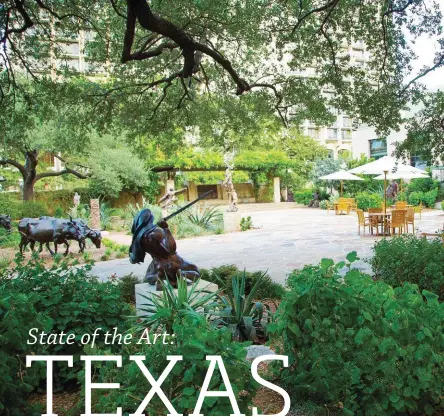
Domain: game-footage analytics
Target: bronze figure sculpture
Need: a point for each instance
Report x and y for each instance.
(5, 222)
(170, 198)
(160, 244)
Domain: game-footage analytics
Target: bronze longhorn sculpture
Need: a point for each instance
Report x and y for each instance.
(48, 230)
(94, 235)
(5, 222)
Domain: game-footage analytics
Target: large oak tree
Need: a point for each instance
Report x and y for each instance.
(160, 56)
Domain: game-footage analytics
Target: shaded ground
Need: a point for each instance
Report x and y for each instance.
(286, 240)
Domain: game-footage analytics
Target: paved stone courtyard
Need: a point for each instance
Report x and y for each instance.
(287, 239)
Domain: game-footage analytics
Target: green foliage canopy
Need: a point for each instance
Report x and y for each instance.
(160, 56)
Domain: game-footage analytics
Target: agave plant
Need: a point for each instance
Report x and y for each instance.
(162, 309)
(246, 318)
(204, 216)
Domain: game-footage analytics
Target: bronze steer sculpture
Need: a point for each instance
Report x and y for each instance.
(48, 230)
(160, 244)
(5, 221)
(94, 235)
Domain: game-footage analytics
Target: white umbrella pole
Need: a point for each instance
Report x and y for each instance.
(385, 192)
(341, 186)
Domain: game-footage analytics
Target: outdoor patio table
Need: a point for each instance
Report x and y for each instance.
(384, 216)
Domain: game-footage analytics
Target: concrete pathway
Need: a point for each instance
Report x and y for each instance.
(287, 239)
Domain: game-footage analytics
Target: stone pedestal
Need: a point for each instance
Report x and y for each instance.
(95, 213)
(232, 221)
(148, 289)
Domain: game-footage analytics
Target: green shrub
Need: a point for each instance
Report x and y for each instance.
(194, 339)
(246, 223)
(410, 259)
(414, 198)
(323, 204)
(59, 212)
(9, 240)
(366, 200)
(33, 209)
(127, 287)
(303, 197)
(422, 185)
(9, 204)
(360, 347)
(429, 198)
(18, 209)
(402, 196)
(17, 315)
(75, 301)
(224, 274)
(442, 205)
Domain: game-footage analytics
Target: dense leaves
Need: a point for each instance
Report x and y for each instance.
(425, 136)
(361, 347)
(160, 57)
(17, 315)
(194, 340)
(410, 259)
(72, 300)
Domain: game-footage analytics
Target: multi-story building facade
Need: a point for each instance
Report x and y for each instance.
(340, 136)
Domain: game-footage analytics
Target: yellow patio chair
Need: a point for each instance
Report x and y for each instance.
(400, 205)
(397, 221)
(376, 220)
(418, 209)
(363, 221)
(410, 219)
(343, 206)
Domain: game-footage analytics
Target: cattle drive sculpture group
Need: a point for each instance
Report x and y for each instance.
(148, 237)
(46, 230)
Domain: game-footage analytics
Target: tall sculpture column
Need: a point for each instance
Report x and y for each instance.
(95, 213)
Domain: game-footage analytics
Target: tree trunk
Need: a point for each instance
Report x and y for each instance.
(29, 177)
(28, 191)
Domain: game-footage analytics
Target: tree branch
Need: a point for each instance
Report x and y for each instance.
(27, 21)
(63, 172)
(15, 164)
(438, 64)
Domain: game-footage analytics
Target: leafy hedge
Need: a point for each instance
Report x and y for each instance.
(194, 340)
(19, 209)
(17, 315)
(361, 347)
(366, 200)
(303, 197)
(410, 259)
(72, 300)
(427, 198)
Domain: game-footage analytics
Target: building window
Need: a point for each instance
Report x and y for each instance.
(332, 134)
(346, 121)
(346, 134)
(378, 148)
(313, 133)
(417, 162)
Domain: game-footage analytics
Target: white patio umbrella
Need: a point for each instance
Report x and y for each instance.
(384, 166)
(341, 176)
